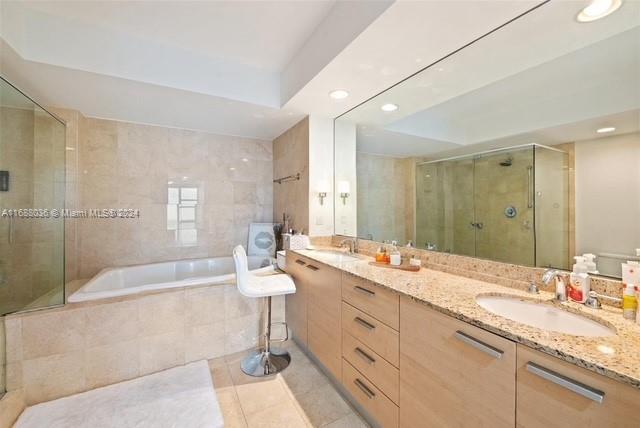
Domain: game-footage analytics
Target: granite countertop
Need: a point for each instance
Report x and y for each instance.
(616, 357)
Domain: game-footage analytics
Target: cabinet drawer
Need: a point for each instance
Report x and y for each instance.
(375, 368)
(468, 374)
(381, 338)
(369, 397)
(376, 301)
(570, 395)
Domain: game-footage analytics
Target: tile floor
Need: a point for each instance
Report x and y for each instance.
(300, 396)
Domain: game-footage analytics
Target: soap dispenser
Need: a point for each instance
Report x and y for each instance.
(579, 281)
(590, 263)
(394, 257)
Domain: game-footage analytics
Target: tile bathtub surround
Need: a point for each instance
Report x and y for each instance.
(614, 356)
(150, 168)
(59, 352)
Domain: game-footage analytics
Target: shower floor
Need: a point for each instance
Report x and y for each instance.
(182, 396)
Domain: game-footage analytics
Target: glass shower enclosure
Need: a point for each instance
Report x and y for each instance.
(32, 183)
(509, 205)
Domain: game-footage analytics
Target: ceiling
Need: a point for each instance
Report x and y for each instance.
(234, 67)
(568, 79)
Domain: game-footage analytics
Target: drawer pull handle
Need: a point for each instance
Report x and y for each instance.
(368, 358)
(364, 290)
(313, 268)
(369, 393)
(565, 382)
(300, 262)
(481, 346)
(364, 323)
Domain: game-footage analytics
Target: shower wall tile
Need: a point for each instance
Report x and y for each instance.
(125, 165)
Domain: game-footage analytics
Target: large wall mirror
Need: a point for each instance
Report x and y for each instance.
(523, 147)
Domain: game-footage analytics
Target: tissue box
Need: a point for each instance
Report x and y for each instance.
(295, 242)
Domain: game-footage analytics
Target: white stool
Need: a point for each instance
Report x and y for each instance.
(265, 361)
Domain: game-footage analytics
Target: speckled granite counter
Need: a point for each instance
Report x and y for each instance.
(617, 357)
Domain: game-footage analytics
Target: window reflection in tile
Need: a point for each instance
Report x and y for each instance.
(182, 217)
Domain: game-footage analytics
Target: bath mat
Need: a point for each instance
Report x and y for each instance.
(178, 397)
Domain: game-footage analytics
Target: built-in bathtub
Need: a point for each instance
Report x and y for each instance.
(124, 281)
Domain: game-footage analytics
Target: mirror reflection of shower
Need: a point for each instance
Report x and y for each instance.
(509, 205)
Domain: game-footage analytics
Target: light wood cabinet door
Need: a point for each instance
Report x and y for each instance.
(453, 374)
(296, 303)
(323, 315)
(553, 393)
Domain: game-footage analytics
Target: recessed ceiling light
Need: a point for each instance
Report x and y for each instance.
(605, 130)
(598, 9)
(339, 94)
(245, 160)
(389, 107)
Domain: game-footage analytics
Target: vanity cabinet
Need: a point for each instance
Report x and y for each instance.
(313, 311)
(452, 373)
(323, 311)
(409, 365)
(553, 393)
(370, 348)
(296, 303)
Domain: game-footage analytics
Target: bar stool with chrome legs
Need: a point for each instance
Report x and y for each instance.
(265, 361)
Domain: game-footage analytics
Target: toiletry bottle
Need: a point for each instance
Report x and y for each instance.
(394, 257)
(629, 302)
(387, 257)
(380, 254)
(579, 281)
(590, 263)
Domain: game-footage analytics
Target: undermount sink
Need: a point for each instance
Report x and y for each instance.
(543, 316)
(331, 256)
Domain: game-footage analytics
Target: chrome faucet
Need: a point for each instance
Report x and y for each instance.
(560, 277)
(353, 244)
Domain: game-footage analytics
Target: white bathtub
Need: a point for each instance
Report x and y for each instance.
(114, 282)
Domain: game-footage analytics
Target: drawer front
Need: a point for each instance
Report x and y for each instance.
(324, 286)
(326, 347)
(570, 395)
(364, 392)
(381, 338)
(468, 374)
(374, 300)
(375, 368)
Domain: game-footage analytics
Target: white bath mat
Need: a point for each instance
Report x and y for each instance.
(178, 397)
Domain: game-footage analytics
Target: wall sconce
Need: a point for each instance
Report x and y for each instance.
(344, 190)
(323, 189)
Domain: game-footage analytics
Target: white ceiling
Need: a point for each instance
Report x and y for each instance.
(569, 77)
(233, 67)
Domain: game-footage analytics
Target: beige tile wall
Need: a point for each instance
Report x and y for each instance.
(124, 165)
(290, 156)
(58, 352)
(32, 150)
(385, 197)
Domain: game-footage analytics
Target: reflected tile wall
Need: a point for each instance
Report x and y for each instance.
(124, 165)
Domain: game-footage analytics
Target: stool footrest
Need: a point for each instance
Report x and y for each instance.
(286, 332)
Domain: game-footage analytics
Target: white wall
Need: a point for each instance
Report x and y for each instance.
(345, 169)
(320, 169)
(608, 197)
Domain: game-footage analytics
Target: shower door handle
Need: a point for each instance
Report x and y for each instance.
(529, 186)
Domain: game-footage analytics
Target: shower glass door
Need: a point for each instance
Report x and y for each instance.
(504, 206)
(32, 184)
